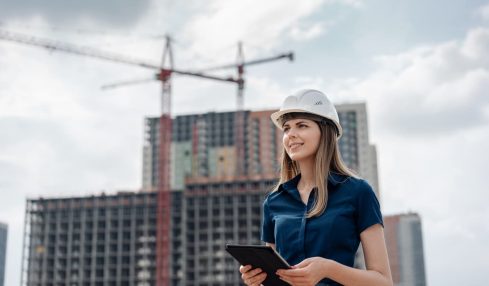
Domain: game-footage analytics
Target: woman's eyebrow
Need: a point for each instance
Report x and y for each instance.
(300, 122)
(297, 123)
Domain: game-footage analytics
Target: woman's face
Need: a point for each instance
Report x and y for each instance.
(301, 138)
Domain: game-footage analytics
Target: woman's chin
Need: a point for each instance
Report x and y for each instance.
(296, 157)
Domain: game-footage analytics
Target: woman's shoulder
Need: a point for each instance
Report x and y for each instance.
(357, 185)
(362, 192)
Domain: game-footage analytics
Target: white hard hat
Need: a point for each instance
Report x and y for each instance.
(308, 101)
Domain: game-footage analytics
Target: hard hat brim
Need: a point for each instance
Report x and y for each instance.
(276, 116)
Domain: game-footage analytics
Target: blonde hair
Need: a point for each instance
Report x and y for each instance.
(328, 159)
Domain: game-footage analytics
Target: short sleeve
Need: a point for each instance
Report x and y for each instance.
(268, 226)
(368, 208)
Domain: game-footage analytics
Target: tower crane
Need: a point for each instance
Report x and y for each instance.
(240, 81)
(164, 73)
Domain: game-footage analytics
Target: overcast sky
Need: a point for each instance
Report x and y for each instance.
(421, 67)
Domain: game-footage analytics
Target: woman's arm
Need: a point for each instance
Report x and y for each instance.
(312, 270)
(376, 260)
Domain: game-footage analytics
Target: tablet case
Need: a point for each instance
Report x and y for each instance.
(260, 256)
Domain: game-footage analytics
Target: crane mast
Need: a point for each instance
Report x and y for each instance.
(163, 219)
(239, 121)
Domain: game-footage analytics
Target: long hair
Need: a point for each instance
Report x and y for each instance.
(328, 159)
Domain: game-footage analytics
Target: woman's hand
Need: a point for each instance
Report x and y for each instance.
(252, 277)
(309, 272)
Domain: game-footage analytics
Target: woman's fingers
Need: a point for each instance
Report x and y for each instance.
(252, 277)
(251, 273)
(244, 269)
(256, 280)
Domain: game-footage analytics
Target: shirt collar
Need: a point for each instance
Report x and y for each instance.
(292, 183)
(334, 179)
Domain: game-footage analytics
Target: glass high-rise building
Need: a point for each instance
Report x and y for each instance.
(357, 151)
(3, 251)
(404, 240)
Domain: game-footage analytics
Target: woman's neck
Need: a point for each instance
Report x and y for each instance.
(308, 179)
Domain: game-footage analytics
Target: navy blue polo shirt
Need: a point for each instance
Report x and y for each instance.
(352, 207)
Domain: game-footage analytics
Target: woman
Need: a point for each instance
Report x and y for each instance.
(320, 211)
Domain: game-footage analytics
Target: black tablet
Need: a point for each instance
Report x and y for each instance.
(260, 256)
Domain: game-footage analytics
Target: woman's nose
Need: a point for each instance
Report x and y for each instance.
(292, 132)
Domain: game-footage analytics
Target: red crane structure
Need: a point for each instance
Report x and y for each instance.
(164, 72)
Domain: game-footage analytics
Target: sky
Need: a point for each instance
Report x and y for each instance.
(421, 67)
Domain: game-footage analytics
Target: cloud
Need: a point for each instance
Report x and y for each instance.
(224, 24)
(352, 3)
(307, 33)
(483, 12)
(56, 153)
(264, 93)
(60, 12)
(438, 89)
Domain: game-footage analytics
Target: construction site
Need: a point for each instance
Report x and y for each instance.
(204, 179)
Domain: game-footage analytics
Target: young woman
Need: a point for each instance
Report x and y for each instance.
(320, 211)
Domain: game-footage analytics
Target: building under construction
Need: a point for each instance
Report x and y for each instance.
(204, 146)
(96, 240)
(216, 197)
